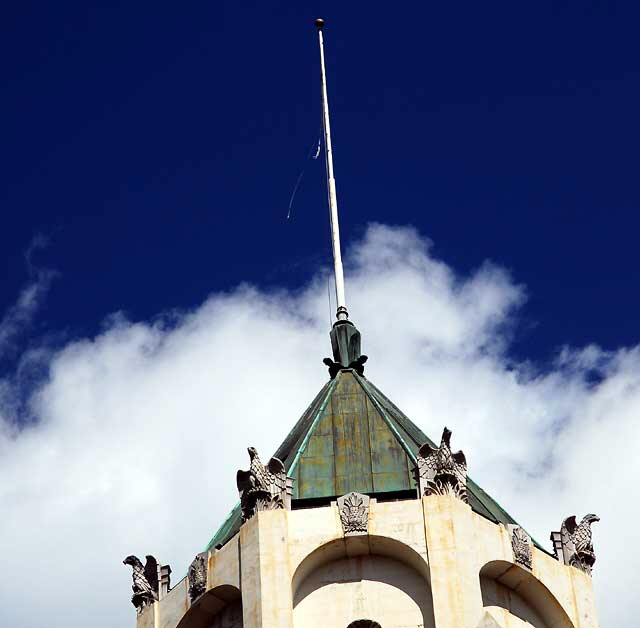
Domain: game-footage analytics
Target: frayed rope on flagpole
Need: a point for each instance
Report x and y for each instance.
(311, 155)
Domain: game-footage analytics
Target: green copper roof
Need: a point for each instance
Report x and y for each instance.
(349, 446)
(353, 438)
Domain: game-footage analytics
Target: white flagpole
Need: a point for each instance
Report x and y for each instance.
(341, 313)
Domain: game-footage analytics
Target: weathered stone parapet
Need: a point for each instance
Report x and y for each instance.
(265, 576)
(451, 534)
(449, 557)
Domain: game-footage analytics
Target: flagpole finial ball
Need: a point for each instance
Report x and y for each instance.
(319, 23)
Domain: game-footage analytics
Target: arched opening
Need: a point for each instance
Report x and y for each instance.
(514, 595)
(347, 580)
(220, 607)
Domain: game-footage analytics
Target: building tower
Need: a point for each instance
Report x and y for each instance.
(359, 520)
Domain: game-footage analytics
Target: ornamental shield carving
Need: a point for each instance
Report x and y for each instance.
(197, 576)
(521, 546)
(354, 513)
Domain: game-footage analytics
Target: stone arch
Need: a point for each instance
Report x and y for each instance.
(375, 577)
(508, 589)
(220, 607)
(364, 623)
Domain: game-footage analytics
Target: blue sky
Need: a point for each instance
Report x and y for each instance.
(486, 164)
(157, 149)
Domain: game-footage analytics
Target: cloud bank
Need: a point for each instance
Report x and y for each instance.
(134, 436)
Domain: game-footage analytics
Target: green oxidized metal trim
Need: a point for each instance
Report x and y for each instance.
(307, 436)
(386, 419)
(225, 531)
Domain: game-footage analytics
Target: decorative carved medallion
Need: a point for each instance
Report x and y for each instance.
(521, 545)
(441, 472)
(263, 487)
(145, 581)
(354, 513)
(573, 543)
(197, 576)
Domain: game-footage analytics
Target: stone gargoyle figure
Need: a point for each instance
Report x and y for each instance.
(441, 472)
(145, 581)
(261, 487)
(576, 541)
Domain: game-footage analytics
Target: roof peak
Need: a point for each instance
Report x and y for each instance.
(354, 438)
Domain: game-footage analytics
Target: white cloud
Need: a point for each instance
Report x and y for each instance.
(136, 434)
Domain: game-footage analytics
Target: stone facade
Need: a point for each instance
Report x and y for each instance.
(429, 562)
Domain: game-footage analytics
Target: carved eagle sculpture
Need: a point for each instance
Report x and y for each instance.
(261, 487)
(145, 581)
(576, 539)
(441, 471)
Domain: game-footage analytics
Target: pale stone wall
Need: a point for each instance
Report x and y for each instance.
(174, 606)
(419, 565)
(363, 587)
(505, 603)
